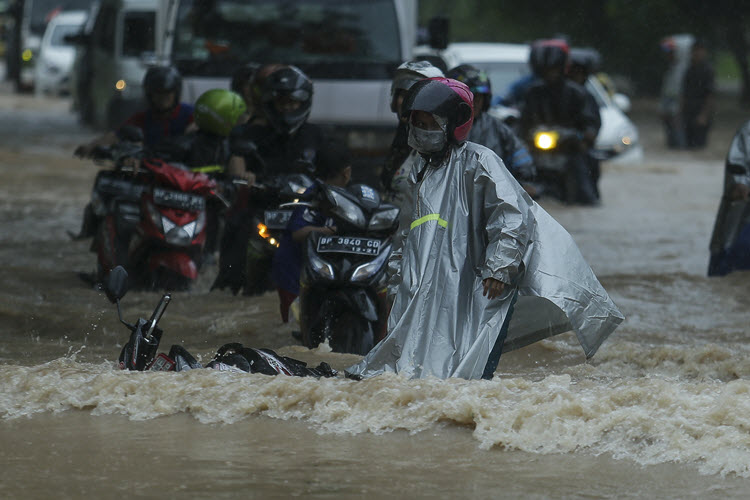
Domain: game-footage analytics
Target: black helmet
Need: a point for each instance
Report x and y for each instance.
(587, 59)
(291, 84)
(162, 79)
(474, 78)
(243, 75)
(446, 98)
(548, 54)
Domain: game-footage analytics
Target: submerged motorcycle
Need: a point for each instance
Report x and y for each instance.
(343, 281)
(140, 352)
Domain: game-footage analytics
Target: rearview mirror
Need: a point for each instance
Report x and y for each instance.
(439, 32)
(116, 284)
(79, 38)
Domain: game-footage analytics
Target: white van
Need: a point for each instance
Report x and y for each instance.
(114, 54)
(349, 49)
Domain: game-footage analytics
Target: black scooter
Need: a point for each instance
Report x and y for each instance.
(140, 352)
(343, 281)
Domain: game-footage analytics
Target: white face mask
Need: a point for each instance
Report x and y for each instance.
(426, 141)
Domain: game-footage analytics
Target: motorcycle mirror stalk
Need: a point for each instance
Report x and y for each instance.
(116, 286)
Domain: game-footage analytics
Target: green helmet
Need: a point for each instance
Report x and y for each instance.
(217, 111)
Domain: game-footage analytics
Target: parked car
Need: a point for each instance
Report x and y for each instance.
(56, 55)
(505, 63)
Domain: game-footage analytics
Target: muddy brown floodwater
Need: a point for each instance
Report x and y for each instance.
(662, 410)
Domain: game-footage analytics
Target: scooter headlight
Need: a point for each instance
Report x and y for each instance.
(369, 269)
(546, 140)
(180, 236)
(321, 267)
(383, 219)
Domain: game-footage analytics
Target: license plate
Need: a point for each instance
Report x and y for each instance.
(349, 244)
(179, 200)
(277, 219)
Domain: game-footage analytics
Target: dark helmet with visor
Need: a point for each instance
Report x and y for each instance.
(286, 98)
(162, 79)
(448, 99)
(548, 54)
(474, 78)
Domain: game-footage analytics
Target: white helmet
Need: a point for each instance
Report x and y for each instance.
(410, 73)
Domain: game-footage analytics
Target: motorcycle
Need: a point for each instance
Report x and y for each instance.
(140, 352)
(343, 282)
(552, 150)
(167, 247)
(149, 216)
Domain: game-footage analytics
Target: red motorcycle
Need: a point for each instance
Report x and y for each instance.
(166, 248)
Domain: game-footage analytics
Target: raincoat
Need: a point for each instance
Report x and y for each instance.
(471, 220)
(730, 242)
(491, 132)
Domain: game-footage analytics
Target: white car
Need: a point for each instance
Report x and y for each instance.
(56, 55)
(505, 63)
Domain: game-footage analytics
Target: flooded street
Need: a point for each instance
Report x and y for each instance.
(661, 411)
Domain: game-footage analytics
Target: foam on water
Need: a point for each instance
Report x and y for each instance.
(678, 413)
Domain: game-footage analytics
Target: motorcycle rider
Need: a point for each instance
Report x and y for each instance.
(583, 63)
(282, 143)
(476, 240)
(491, 132)
(730, 241)
(242, 80)
(334, 168)
(556, 101)
(394, 174)
(164, 117)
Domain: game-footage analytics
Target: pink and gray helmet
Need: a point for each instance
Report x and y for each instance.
(449, 99)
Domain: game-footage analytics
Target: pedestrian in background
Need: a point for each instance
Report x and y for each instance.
(698, 97)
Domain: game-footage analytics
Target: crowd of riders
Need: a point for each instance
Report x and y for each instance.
(259, 129)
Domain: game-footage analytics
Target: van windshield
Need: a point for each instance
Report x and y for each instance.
(39, 12)
(324, 38)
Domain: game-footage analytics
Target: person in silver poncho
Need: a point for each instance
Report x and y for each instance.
(730, 242)
(477, 242)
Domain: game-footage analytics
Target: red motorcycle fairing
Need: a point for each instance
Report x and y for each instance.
(183, 180)
(179, 263)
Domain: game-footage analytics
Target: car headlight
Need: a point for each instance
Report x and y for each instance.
(546, 140)
(384, 219)
(347, 210)
(321, 267)
(369, 269)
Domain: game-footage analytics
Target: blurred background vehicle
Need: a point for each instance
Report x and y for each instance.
(114, 51)
(27, 20)
(506, 63)
(56, 54)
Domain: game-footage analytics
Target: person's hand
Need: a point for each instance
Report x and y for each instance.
(249, 177)
(328, 230)
(739, 192)
(493, 288)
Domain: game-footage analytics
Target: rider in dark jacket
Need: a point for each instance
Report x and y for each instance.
(281, 143)
(555, 101)
(490, 131)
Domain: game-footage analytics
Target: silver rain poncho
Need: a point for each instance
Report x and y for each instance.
(471, 220)
(733, 215)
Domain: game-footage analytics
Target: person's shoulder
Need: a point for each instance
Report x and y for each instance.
(186, 107)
